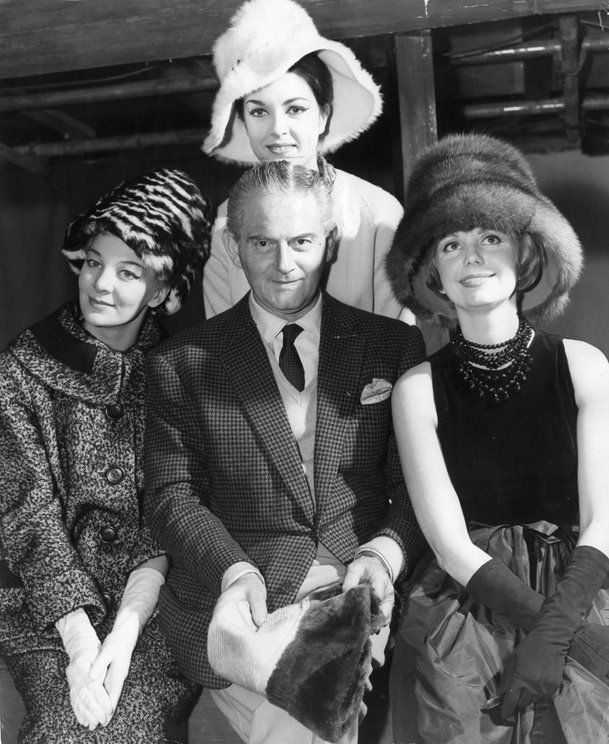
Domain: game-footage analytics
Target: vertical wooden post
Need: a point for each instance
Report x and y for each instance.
(418, 128)
(570, 34)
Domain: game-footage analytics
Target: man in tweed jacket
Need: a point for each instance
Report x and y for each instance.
(255, 487)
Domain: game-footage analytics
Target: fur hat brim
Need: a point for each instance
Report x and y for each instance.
(265, 38)
(465, 182)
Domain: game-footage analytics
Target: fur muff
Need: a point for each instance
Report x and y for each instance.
(321, 676)
(473, 181)
(165, 220)
(264, 39)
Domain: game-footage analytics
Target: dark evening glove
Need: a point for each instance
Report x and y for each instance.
(497, 587)
(535, 668)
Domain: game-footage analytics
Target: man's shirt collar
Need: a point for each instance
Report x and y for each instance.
(269, 325)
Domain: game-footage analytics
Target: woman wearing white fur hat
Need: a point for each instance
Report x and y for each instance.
(287, 93)
(504, 441)
(79, 571)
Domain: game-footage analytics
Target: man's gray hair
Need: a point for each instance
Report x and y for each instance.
(278, 176)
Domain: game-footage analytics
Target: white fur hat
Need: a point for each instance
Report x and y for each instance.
(264, 39)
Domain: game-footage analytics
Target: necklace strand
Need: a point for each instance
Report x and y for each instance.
(494, 371)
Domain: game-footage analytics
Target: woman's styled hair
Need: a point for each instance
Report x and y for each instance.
(316, 75)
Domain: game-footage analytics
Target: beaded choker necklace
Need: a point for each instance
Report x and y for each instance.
(495, 371)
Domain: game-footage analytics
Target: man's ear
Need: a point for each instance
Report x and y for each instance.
(231, 247)
(331, 244)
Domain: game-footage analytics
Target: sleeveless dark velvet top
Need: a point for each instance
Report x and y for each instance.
(514, 462)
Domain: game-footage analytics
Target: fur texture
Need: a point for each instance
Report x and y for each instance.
(468, 181)
(321, 676)
(162, 217)
(264, 39)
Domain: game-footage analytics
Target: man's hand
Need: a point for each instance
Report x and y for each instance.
(369, 569)
(249, 588)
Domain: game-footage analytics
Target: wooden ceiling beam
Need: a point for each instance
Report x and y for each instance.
(57, 36)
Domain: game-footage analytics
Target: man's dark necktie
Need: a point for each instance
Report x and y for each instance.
(289, 361)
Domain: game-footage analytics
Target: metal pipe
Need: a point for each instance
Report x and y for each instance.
(597, 102)
(117, 92)
(38, 166)
(528, 50)
(110, 144)
(515, 108)
(532, 50)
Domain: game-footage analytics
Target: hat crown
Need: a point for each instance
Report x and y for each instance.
(251, 38)
(457, 160)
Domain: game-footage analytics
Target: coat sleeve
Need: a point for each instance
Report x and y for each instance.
(34, 540)
(177, 501)
(401, 524)
(388, 213)
(224, 284)
(216, 278)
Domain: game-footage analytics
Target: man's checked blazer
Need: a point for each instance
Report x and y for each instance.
(224, 480)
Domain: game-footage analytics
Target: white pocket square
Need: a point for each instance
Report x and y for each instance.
(376, 391)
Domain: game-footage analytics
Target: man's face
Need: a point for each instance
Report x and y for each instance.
(283, 251)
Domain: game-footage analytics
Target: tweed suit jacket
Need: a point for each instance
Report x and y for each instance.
(224, 479)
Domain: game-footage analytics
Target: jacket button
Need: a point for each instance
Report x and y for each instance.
(115, 474)
(108, 599)
(107, 535)
(114, 411)
(287, 587)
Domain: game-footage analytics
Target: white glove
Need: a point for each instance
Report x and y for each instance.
(137, 605)
(90, 701)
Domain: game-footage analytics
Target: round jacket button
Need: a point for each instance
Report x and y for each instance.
(108, 599)
(287, 587)
(115, 474)
(107, 535)
(114, 411)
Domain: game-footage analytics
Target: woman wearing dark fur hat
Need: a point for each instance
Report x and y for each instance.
(79, 571)
(504, 441)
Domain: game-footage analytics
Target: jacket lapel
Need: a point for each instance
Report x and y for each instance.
(341, 352)
(247, 364)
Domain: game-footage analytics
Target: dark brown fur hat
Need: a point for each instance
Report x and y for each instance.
(468, 181)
